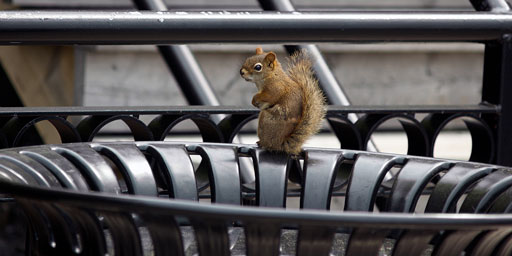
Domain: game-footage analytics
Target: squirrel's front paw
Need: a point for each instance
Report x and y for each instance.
(261, 105)
(255, 102)
(264, 106)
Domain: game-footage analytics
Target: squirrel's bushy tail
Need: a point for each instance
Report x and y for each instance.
(313, 108)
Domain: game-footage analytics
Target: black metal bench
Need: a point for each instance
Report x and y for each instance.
(67, 222)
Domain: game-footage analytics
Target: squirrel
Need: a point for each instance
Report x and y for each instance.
(291, 104)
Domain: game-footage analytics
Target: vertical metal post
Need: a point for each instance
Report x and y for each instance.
(497, 83)
(328, 82)
(497, 89)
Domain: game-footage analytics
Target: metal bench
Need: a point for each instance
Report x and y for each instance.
(66, 222)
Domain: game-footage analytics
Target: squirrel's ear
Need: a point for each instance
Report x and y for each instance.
(259, 50)
(270, 58)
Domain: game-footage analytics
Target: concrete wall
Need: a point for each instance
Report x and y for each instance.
(394, 74)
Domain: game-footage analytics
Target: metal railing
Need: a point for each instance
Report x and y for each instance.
(487, 122)
(145, 27)
(19, 123)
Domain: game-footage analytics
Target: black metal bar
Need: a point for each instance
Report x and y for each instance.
(495, 79)
(182, 110)
(491, 87)
(497, 88)
(492, 73)
(190, 78)
(100, 27)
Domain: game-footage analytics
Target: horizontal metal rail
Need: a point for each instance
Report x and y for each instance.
(181, 110)
(133, 27)
(192, 209)
(17, 124)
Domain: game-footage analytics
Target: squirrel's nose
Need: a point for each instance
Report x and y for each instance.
(242, 72)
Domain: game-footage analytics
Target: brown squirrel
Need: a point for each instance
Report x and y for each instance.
(291, 103)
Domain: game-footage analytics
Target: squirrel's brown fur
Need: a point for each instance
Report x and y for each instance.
(292, 106)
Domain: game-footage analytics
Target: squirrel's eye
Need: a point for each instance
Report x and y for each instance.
(257, 67)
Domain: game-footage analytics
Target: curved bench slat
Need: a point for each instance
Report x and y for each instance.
(42, 236)
(453, 184)
(211, 236)
(31, 167)
(455, 242)
(505, 248)
(365, 180)
(224, 173)
(487, 189)
(366, 241)
(124, 232)
(487, 244)
(67, 174)
(413, 242)
(502, 204)
(165, 234)
(262, 238)
(314, 241)
(271, 171)
(320, 169)
(133, 166)
(411, 181)
(66, 240)
(12, 173)
(177, 169)
(91, 232)
(94, 168)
